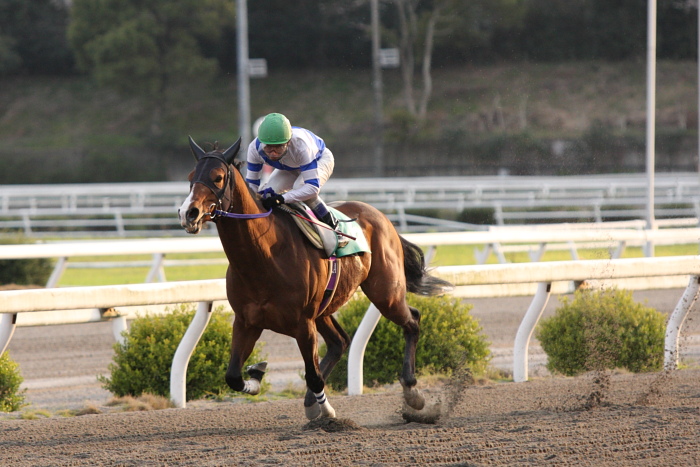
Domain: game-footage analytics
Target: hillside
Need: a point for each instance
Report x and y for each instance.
(521, 118)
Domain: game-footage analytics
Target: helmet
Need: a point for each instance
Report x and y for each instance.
(275, 129)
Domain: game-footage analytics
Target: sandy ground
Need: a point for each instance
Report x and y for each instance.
(595, 419)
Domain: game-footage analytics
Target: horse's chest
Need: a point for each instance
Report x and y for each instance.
(278, 315)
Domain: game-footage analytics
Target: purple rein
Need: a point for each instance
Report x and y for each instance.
(218, 213)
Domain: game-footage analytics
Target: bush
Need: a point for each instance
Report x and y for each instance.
(600, 330)
(142, 363)
(11, 398)
(450, 339)
(34, 271)
(481, 216)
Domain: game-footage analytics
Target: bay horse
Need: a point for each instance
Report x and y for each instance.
(276, 278)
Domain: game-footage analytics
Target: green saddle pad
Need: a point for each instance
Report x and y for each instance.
(359, 245)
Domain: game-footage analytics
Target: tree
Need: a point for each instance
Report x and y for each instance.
(33, 37)
(142, 47)
(10, 61)
(423, 24)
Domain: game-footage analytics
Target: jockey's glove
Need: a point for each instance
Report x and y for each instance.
(272, 201)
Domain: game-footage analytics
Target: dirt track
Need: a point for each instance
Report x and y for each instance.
(644, 420)
(617, 419)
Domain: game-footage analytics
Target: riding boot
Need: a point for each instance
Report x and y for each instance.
(330, 219)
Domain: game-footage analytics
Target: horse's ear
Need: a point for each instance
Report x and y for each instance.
(197, 152)
(231, 152)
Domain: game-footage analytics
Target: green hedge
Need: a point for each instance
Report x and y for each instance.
(34, 271)
(600, 330)
(142, 363)
(11, 398)
(450, 339)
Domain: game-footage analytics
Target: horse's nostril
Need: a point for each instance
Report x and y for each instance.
(192, 214)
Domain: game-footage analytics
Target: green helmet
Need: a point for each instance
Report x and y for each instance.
(275, 129)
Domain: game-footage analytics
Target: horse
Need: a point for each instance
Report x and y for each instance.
(276, 278)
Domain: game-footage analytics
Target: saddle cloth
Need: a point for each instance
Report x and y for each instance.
(327, 240)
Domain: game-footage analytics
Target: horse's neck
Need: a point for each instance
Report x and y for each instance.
(247, 242)
(241, 196)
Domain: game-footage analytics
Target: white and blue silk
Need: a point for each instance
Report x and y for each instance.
(300, 161)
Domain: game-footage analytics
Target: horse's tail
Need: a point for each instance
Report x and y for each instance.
(418, 280)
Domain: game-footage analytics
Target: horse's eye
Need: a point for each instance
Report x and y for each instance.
(219, 179)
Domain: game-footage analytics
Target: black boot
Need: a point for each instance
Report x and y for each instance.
(330, 219)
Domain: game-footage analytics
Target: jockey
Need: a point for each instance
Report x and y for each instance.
(302, 164)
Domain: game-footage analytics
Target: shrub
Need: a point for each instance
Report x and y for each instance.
(450, 339)
(11, 398)
(600, 330)
(142, 363)
(482, 216)
(34, 271)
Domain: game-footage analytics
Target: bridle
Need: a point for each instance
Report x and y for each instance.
(201, 175)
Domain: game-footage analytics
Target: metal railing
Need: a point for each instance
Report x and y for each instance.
(148, 209)
(495, 242)
(538, 277)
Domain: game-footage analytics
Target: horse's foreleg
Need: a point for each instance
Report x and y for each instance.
(411, 331)
(315, 403)
(242, 344)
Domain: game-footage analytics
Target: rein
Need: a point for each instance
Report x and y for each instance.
(219, 213)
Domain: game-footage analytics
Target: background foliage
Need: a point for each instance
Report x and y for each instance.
(11, 398)
(335, 33)
(141, 365)
(109, 90)
(35, 271)
(450, 339)
(600, 330)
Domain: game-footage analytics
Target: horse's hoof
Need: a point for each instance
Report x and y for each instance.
(413, 397)
(313, 411)
(257, 371)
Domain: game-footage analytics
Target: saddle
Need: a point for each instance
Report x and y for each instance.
(333, 244)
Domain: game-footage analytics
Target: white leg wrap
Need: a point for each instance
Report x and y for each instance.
(326, 409)
(251, 386)
(321, 397)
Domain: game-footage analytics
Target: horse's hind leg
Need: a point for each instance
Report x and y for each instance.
(337, 342)
(411, 331)
(397, 310)
(242, 344)
(316, 405)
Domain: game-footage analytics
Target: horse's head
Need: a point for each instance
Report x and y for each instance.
(209, 183)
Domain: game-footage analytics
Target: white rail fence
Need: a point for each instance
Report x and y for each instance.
(497, 242)
(542, 279)
(146, 209)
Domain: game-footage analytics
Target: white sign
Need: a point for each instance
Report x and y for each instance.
(389, 58)
(257, 67)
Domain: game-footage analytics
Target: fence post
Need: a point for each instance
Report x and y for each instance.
(357, 349)
(157, 269)
(527, 325)
(178, 371)
(119, 325)
(675, 322)
(57, 272)
(8, 323)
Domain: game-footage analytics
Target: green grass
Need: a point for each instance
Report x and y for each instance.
(137, 275)
(449, 255)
